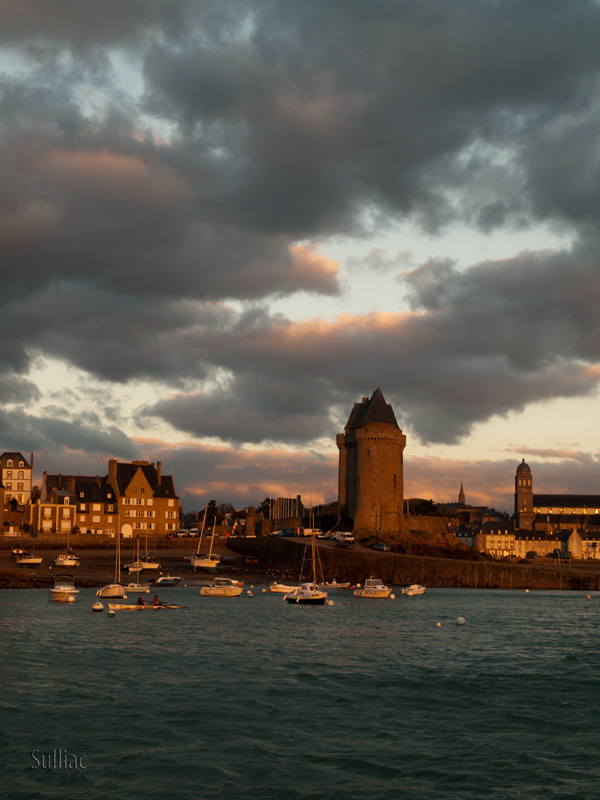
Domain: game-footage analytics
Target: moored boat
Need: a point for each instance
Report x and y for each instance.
(373, 589)
(66, 560)
(415, 588)
(64, 590)
(137, 587)
(206, 561)
(335, 585)
(281, 588)
(166, 580)
(114, 589)
(309, 594)
(222, 587)
(29, 560)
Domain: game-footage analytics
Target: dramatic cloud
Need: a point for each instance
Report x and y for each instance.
(173, 170)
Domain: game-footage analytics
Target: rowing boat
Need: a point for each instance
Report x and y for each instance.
(145, 607)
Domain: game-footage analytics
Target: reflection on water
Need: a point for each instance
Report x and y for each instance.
(240, 697)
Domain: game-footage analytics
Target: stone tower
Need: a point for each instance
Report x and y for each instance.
(461, 495)
(371, 470)
(524, 511)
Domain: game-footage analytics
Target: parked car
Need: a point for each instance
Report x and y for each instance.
(344, 545)
(344, 536)
(383, 546)
(531, 554)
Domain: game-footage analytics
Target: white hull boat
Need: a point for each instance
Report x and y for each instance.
(112, 590)
(415, 588)
(281, 588)
(203, 561)
(308, 594)
(373, 589)
(166, 580)
(139, 566)
(335, 585)
(222, 587)
(64, 590)
(207, 561)
(66, 560)
(29, 561)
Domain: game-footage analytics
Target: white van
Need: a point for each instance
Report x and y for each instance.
(344, 536)
(312, 532)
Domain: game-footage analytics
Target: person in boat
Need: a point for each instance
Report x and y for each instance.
(141, 601)
(156, 601)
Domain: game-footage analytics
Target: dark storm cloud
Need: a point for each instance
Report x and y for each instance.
(53, 434)
(482, 342)
(162, 159)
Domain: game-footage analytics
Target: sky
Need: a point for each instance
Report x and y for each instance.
(222, 223)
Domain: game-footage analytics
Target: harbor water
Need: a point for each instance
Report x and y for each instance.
(251, 697)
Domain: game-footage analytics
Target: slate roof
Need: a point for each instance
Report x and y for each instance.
(375, 410)
(126, 472)
(566, 500)
(16, 456)
(95, 489)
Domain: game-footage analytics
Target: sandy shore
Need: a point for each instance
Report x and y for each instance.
(98, 567)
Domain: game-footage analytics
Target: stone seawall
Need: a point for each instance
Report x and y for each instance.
(400, 570)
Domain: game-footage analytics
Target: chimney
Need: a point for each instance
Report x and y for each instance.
(365, 400)
(158, 471)
(31, 460)
(98, 480)
(112, 472)
(59, 482)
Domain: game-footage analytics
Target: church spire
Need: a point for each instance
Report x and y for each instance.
(461, 495)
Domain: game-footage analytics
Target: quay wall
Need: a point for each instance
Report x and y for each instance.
(401, 570)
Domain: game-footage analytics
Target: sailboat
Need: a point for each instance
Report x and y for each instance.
(27, 559)
(137, 587)
(197, 553)
(202, 560)
(67, 559)
(147, 561)
(115, 589)
(308, 593)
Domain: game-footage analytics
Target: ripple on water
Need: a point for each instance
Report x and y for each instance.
(253, 697)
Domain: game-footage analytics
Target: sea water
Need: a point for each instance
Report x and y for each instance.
(251, 697)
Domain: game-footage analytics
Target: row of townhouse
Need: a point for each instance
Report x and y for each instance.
(133, 498)
(500, 539)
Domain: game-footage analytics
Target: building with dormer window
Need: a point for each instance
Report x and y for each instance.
(15, 476)
(147, 500)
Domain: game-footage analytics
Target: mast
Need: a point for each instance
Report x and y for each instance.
(201, 531)
(118, 559)
(212, 537)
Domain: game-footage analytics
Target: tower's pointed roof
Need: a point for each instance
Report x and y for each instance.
(373, 410)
